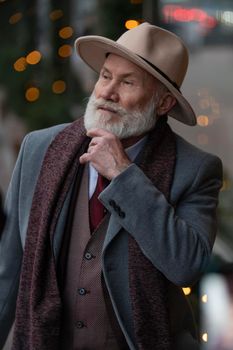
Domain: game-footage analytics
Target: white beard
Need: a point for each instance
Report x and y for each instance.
(125, 124)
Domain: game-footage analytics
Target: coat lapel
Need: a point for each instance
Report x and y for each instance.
(113, 229)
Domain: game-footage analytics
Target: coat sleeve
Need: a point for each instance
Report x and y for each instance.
(10, 253)
(177, 238)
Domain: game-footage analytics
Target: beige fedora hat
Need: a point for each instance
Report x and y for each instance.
(156, 50)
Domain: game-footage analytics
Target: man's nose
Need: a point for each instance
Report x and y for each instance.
(110, 92)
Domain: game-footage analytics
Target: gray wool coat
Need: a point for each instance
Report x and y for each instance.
(176, 236)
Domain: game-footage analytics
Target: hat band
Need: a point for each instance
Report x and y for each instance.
(161, 73)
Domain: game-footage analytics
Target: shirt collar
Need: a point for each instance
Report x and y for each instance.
(134, 150)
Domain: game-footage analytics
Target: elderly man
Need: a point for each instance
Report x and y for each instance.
(105, 271)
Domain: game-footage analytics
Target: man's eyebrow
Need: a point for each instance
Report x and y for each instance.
(105, 69)
(123, 75)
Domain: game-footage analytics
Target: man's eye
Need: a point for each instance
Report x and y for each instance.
(105, 76)
(128, 82)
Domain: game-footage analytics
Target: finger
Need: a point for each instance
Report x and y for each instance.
(91, 149)
(95, 140)
(85, 158)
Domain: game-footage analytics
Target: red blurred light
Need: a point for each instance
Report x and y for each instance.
(199, 15)
(209, 23)
(168, 11)
(182, 14)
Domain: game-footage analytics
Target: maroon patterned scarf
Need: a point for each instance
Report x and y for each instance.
(38, 311)
(148, 286)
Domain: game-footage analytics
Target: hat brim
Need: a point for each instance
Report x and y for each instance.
(93, 50)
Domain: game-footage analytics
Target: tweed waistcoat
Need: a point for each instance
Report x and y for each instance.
(85, 322)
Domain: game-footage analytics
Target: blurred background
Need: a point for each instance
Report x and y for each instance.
(43, 82)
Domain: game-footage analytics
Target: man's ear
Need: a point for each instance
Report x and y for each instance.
(166, 102)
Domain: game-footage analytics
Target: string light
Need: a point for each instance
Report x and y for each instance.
(131, 23)
(205, 337)
(65, 51)
(15, 18)
(203, 120)
(56, 14)
(187, 290)
(20, 65)
(33, 57)
(204, 298)
(66, 32)
(59, 86)
(32, 94)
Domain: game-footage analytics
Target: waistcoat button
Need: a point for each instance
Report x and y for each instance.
(88, 256)
(82, 291)
(79, 324)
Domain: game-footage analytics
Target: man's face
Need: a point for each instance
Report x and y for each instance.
(123, 100)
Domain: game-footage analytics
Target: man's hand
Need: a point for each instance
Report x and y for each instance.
(105, 153)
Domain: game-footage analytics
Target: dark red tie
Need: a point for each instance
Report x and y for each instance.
(96, 208)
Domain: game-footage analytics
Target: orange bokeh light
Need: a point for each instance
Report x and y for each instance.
(187, 290)
(66, 32)
(15, 18)
(33, 57)
(32, 94)
(65, 51)
(131, 23)
(203, 120)
(59, 86)
(56, 14)
(20, 65)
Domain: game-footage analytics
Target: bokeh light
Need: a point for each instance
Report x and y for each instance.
(205, 337)
(15, 18)
(66, 32)
(204, 298)
(33, 57)
(56, 14)
(131, 23)
(187, 290)
(59, 86)
(203, 120)
(65, 51)
(32, 94)
(20, 65)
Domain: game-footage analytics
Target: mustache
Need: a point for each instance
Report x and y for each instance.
(101, 103)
